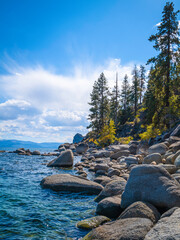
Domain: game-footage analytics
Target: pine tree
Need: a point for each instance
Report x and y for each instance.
(142, 79)
(94, 110)
(126, 111)
(150, 100)
(125, 93)
(166, 42)
(135, 89)
(114, 102)
(103, 100)
(99, 110)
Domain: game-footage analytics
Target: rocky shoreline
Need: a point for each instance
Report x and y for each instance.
(137, 187)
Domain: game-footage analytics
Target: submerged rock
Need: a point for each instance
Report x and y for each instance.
(93, 222)
(151, 184)
(36, 152)
(67, 182)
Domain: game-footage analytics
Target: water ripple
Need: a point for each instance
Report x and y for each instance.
(29, 212)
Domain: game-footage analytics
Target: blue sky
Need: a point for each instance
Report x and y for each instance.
(51, 52)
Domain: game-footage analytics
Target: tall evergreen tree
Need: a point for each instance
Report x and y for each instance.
(125, 101)
(125, 93)
(114, 102)
(150, 100)
(94, 109)
(166, 42)
(135, 89)
(142, 79)
(103, 100)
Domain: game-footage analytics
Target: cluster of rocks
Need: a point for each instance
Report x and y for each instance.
(138, 187)
(27, 152)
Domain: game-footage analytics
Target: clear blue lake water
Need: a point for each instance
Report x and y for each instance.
(29, 212)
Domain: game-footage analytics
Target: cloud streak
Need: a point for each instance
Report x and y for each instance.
(42, 105)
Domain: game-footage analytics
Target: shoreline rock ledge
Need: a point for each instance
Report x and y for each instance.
(70, 183)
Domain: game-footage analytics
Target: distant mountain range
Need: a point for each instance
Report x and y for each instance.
(27, 144)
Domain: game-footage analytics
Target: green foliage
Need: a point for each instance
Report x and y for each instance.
(142, 79)
(165, 63)
(135, 89)
(107, 135)
(125, 140)
(158, 107)
(115, 103)
(151, 132)
(99, 109)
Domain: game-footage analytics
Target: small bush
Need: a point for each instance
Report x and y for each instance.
(151, 132)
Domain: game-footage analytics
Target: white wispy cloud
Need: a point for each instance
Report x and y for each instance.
(42, 105)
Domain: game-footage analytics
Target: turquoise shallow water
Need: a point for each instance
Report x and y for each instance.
(29, 212)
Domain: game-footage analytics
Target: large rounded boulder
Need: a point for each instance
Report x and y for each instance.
(141, 210)
(113, 188)
(82, 148)
(151, 184)
(154, 157)
(122, 229)
(64, 160)
(70, 183)
(110, 207)
(158, 148)
(167, 228)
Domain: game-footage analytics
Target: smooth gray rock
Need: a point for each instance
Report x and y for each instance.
(61, 149)
(36, 152)
(110, 207)
(169, 212)
(154, 157)
(141, 210)
(130, 160)
(103, 180)
(167, 228)
(175, 146)
(70, 183)
(151, 184)
(171, 168)
(82, 148)
(177, 162)
(122, 229)
(102, 154)
(64, 160)
(133, 148)
(158, 148)
(78, 138)
(115, 187)
(173, 139)
(112, 172)
(101, 166)
(120, 153)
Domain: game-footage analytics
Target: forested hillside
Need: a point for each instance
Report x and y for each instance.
(149, 103)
